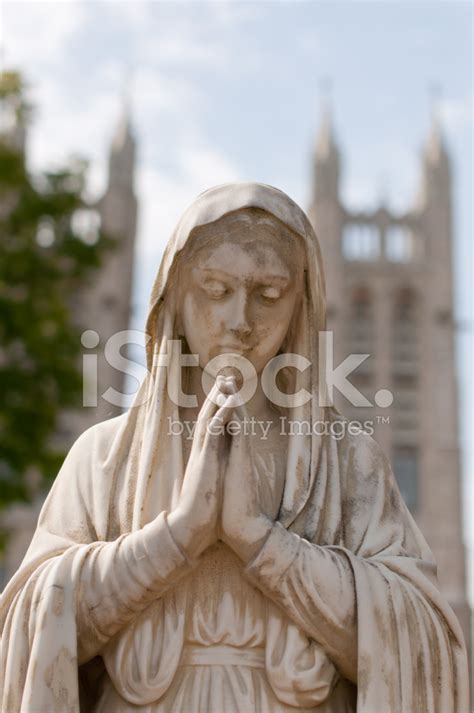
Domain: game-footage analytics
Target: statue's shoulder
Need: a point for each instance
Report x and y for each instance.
(105, 430)
(364, 448)
(98, 440)
(360, 457)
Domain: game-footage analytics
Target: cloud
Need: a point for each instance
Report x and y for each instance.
(133, 15)
(206, 36)
(164, 195)
(310, 43)
(155, 91)
(393, 179)
(77, 108)
(231, 13)
(180, 47)
(456, 114)
(61, 130)
(37, 34)
(205, 166)
(70, 118)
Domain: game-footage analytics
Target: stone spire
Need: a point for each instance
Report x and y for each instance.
(435, 149)
(435, 183)
(107, 303)
(326, 147)
(122, 152)
(326, 153)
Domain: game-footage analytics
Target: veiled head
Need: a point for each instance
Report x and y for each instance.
(240, 283)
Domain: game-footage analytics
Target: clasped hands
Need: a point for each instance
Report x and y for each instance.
(219, 498)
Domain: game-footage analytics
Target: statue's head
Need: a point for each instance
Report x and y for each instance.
(240, 283)
(242, 274)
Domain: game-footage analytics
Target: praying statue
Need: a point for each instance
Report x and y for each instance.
(197, 555)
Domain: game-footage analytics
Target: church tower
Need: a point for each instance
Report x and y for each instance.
(103, 308)
(390, 295)
(103, 305)
(113, 299)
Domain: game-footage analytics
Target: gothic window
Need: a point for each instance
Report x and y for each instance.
(399, 243)
(110, 302)
(405, 465)
(361, 241)
(361, 309)
(361, 329)
(404, 414)
(405, 365)
(405, 335)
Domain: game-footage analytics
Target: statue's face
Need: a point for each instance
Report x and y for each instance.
(239, 290)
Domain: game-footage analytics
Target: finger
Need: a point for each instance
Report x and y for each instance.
(213, 418)
(228, 385)
(210, 406)
(216, 425)
(240, 409)
(227, 410)
(223, 387)
(208, 409)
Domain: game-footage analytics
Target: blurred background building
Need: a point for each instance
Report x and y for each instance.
(103, 304)
(390, 295)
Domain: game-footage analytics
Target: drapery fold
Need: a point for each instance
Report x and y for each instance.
(370, 596)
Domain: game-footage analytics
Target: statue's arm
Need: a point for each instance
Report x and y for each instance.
(347, 598)
(313, 583)
(119, 579)
(314, 586)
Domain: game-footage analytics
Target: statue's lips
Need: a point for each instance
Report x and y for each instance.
(235, 348)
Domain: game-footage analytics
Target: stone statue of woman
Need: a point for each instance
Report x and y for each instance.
(243, 569)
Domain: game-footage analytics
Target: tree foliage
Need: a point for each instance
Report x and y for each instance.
(45, 259)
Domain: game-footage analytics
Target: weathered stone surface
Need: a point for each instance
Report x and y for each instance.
(241, 550)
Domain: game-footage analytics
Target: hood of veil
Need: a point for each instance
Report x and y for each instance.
(155, 467)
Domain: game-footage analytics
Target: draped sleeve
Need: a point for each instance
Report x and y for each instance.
(75, 589)
(372, 600)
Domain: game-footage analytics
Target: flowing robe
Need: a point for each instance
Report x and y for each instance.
(351, 580)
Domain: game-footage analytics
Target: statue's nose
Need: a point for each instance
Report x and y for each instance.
(240, 324)
(241, 330)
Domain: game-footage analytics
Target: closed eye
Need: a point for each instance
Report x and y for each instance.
(215, 289)
(270, 293)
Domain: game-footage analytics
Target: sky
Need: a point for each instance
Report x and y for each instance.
(231, 91)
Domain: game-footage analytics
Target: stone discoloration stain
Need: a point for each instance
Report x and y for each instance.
(57, 677)
(57, 603)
